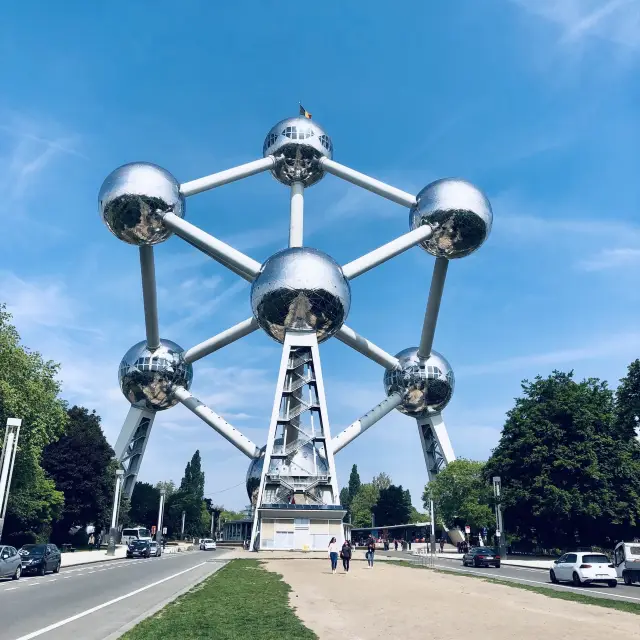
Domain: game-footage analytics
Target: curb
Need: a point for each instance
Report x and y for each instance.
(153, 610)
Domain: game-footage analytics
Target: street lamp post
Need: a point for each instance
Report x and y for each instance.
(160, 516)
(7, 460)
(500, 533)
(113, 532)
(184, 514)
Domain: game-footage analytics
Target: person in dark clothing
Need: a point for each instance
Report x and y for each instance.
(395, 544)
(371, 549)
(345, 554)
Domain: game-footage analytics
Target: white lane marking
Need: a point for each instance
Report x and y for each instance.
(549, 585)
(56, 625)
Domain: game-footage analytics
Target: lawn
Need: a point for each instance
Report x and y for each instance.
(620, 605)
(241, 601)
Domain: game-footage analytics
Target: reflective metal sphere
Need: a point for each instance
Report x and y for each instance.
(131, 197)
(147, 377)
(300, 288)
(459, 214)
(301, 465)
(297, 144)
(426, 386)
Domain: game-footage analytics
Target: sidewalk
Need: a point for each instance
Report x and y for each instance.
(517, 562)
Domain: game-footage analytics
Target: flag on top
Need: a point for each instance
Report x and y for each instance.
(304, 112)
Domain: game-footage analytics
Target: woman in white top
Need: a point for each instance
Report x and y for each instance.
(333, 554)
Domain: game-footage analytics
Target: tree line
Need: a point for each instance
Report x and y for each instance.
(64, 473)
(569, 463)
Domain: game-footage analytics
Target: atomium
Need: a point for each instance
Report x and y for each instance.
(300, 289)
(147, 378)
(426, 386)
(132, 199)
(304, 465)
(459, 214)
(297, 144)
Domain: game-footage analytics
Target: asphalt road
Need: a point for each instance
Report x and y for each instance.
(98, 601)
(534, 578)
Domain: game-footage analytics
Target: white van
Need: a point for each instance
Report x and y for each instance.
(135, 533)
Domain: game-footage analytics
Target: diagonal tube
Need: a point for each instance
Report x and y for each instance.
(387, 251)
(368, 420)
(224, 338)
(149, 296)
(218, 423)
(366, 182)
(227, 176)
(226, 255)
(351, 338)
(433, 307)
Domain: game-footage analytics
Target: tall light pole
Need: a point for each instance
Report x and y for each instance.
(7, 460)
(500, 533)
(113, 532)
(184, 514)
(163, 493)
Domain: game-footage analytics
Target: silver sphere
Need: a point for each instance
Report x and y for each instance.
(297, 144)
(300, 289)
(147, 378)
(131, 198)
(426, 386)
(303, 464)
(459, 213)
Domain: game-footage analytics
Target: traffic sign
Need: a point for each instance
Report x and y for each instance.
(467, 529)
(153, 529)
(164, 531)
(498, 533)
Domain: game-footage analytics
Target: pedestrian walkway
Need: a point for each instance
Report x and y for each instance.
(100, 555)
(533, 563)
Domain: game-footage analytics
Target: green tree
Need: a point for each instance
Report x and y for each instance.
(80, 463)
(382, 481)
(627, 408)
(569, 473)
(416, 516)
(354, 482)
(29, 390)
(362, 505)
(393, 506)
(145, 502)
(345, 498)
(169, 487)
(461, 495)
(188, 498)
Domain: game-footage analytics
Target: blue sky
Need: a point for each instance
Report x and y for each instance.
(535, 101)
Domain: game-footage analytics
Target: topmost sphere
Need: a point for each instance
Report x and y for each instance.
(297, 144)
(459, 214)
(131, 198)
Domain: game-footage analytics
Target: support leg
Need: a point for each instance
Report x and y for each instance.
(132, 443)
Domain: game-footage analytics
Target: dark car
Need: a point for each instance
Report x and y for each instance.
(40, 558)
(481, 557)
(139, 549)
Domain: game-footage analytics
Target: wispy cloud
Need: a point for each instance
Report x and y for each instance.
(611, 259)
(617, 21)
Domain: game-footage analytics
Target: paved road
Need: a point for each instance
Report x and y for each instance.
(95, 602)
(533, 577)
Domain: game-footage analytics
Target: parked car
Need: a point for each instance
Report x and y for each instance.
(40, 558)
(207, 544)
(583, 567)
(481, 557)
(139, 549)
(10, 563)
(155, 548)
(626, 559)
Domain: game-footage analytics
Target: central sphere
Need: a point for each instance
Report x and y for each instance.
(147, 378)
(300, 289)
(426, 386)
(297, 144)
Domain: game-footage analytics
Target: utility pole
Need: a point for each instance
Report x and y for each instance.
(213, 517)
(432, 537)
(500, 533)
(7, 460)
(113, 532)
(184, 513)
(160, 516)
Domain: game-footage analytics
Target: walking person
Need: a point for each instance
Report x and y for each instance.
(441, 545)
(371, 549)
(395, 544)
(333, 554)
(345, 554)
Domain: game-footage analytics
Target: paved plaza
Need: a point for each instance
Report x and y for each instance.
(399, 602)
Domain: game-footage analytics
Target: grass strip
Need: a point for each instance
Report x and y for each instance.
(241, 601)
(620, 605)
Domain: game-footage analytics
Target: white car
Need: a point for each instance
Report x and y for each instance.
(584, 567)
(207, 545)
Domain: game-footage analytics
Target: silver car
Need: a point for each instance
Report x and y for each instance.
(10, 562)
(156, 549)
